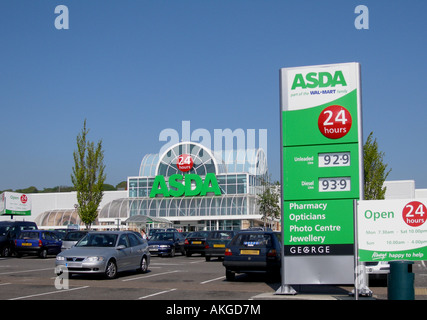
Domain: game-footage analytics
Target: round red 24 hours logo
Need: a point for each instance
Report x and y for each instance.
(334, 122)
(24, 198)
(414, 214)
(185, 162)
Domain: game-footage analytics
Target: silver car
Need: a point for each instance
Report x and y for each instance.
(71, 238)
(106, 252)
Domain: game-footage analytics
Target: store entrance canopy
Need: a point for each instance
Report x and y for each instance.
(140, 219)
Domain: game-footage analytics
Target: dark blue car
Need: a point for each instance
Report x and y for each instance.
(253, 251)
(166, 243)
(37, 242)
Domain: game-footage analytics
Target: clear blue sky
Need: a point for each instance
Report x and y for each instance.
(133, 68)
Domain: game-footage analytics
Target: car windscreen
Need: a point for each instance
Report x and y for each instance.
(74, 236)
(222, 235)
(198, 234)
(162, 236)
(29, 235)
(98, 240)
(253, 240)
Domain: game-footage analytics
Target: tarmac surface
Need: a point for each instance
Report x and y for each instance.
(328, 292)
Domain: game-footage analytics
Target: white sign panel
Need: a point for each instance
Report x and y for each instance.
(392, 230)
(13, 203)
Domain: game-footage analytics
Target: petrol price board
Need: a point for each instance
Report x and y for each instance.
(321, 170)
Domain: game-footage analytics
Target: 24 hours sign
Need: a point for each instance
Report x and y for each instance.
(392, 230)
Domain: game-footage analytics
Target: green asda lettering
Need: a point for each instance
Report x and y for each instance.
(191, 185)
(321, 80)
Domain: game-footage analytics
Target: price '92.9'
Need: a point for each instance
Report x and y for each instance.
(334, 184)
(335, 159)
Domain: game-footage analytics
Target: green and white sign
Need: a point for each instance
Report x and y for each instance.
(322, 166)
(13, 203)
(392, 230)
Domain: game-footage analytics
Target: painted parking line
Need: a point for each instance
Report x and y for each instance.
(151, 275)
(216, 279)
(25, 271)
(5, 284)
(47, 293)
(156, 294)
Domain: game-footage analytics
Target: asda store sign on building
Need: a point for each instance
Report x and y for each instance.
(188, 185)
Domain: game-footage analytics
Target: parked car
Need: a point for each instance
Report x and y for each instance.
(253, 251)
(195, 243)
(377, 271)
(106, 252)
(152, 231)
(71, 238)
(216, 243)
(9, 231)
(60, 233)
(166, 243)
(37, 242)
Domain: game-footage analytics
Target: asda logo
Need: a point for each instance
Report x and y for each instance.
(189, 185)
(321, 80)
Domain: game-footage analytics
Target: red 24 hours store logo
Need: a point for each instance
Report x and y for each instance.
(334, 122)
(24, 198)
(414, 214)
(185, 162)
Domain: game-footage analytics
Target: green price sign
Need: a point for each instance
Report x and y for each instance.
(321, 173)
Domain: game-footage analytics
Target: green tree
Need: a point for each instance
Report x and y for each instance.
(88, 177)
(269, 200)
(375, 170)
(122, 185)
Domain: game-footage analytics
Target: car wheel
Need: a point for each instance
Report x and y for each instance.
(144, 265)
(229, 275)
(188, 254)
(111, 270)
(5, 252)
(43, 254)
(207, 258)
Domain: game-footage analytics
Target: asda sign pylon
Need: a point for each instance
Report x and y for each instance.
(188, 185)
(321, 171)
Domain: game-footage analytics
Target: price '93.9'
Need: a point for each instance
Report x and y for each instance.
(334, 184)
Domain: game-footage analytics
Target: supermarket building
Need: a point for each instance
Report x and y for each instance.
(187, 187)
(194, 189)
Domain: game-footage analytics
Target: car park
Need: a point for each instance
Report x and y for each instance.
(9, 231)
(71, 238)
(166, 243)
(37, 242)
(216, 243)
(106, 252)
(253, 251)
(195, 243)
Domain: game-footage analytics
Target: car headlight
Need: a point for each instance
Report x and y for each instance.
(94, 259)
(164, 246)
(60, 258)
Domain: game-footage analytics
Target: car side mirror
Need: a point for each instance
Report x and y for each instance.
(121, 247)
